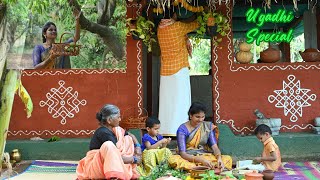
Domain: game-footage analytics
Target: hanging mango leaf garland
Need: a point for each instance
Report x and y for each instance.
(219, 20)
(144, 30)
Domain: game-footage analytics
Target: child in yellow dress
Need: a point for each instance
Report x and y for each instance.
(153, 147)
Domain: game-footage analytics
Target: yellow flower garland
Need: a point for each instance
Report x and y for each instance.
(184, 4)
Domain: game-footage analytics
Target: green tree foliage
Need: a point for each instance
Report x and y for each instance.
(103, 35)
(297, 44)
(201, 56)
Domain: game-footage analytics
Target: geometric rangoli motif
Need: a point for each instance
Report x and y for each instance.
(62, 102)
(292, 98)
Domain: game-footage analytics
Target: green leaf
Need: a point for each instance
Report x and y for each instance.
(54, 138)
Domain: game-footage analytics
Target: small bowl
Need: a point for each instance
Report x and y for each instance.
(197, 170)
(253, 176)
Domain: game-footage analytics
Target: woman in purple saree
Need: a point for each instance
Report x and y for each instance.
(197, 143)
(42, 56)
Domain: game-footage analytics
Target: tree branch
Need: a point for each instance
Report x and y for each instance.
(106, 10)
(111, 39)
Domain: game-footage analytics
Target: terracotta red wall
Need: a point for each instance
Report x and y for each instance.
(239, 89)
(82, 92)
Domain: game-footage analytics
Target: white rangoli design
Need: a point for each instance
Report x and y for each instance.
(62, 102)
(292, 98)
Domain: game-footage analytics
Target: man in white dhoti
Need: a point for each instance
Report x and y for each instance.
(175, 91)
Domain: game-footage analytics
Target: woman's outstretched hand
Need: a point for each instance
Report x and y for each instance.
(207, 163)
(220, 164)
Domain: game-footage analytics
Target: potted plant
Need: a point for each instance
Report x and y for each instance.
(143, 29)
(212, 24)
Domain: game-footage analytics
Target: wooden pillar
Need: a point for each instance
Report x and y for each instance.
(285, 49)
(149, 83)
(310, 29)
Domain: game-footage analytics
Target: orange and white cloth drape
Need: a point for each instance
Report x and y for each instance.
(107, 162)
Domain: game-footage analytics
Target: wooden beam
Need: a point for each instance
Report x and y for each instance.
(260, 3)
(149, 84)
(293, 23)
(244, 31)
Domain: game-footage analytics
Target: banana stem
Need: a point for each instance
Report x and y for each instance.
(7, 97)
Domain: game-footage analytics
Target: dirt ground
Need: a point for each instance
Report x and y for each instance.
(19, 61)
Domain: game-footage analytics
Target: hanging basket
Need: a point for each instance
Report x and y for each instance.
(65, 49)
(133, 118)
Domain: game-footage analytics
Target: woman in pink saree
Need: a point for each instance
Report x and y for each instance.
(114, 153)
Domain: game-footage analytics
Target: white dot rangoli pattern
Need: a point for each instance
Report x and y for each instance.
(62, 102)
(292, 98)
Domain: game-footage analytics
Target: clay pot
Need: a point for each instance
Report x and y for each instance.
(268, 174)
(310, 55)
(253, 176)
(270, 55)
(197, 170)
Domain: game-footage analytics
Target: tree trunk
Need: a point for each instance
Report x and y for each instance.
(5, 39)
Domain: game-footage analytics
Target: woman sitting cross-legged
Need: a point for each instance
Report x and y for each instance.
(114, 153)
(197, 143)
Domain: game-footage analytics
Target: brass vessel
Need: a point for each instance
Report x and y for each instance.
(15, 155)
